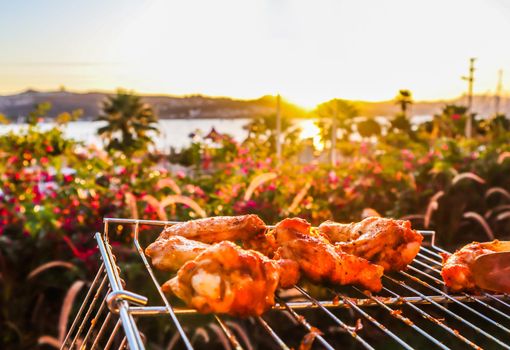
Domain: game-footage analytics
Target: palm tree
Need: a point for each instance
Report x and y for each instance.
(404, 99)
(339, 114)
(129, 122)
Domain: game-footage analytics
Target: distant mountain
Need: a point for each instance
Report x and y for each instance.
(195, 107)
(483, 105)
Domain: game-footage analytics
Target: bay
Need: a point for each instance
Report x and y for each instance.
(173, 132)
(176, 132)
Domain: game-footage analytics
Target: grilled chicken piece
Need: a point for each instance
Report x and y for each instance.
(335, 232)
(171, 253)
(217, 229)
(264, 243)
(456, 272)
(393, 244)
(319, 260)
(225, 278)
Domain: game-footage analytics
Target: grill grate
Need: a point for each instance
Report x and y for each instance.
(413, 310)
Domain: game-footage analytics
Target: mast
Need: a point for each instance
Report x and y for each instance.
(470, 79)
(278, 129)
(499, 89)
(333, 133)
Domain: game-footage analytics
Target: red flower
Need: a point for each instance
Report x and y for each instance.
(455, 116)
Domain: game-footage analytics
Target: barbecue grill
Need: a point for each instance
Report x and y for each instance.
(413, 310)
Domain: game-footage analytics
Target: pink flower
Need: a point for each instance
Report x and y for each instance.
(333, 179)
(235, 189)
(407, 154)
(199, 191)
(363, 148)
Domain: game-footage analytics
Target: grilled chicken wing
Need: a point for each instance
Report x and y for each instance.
(169, 254)
(227, 279)
(393, 244)
(217, 229)
(456, 270)
(319, 260)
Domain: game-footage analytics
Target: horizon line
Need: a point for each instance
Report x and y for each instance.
(163, 94)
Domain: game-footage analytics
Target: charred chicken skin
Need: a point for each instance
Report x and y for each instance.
(169, 254)
(456, 272)
(218, 229)
(225, 278)
(319, 260)
(393, 244)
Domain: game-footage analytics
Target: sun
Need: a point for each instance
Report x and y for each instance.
(309, 130)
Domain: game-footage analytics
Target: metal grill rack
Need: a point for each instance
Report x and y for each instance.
(413, 310)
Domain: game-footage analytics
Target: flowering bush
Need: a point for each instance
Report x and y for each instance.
(56, 191)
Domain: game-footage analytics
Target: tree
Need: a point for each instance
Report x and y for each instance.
(404, 99)
(66, 117)
(496, 126)
(129, 122)
(262, 135)
(39, 112)
(451, 122)
(369, 128)
(3, 119)
(262, 130)
(401, 123)
(334, 114)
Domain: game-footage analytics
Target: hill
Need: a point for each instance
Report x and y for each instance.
(197, 107)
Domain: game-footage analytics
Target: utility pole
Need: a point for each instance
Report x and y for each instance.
(470, 79)
(278, 129)
(332, 154)
(499, 89)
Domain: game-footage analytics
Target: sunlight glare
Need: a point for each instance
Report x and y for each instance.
(310, 130)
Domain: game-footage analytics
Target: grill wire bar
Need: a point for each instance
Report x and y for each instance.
(419, 289)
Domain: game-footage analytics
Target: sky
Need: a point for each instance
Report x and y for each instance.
(308, 51)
